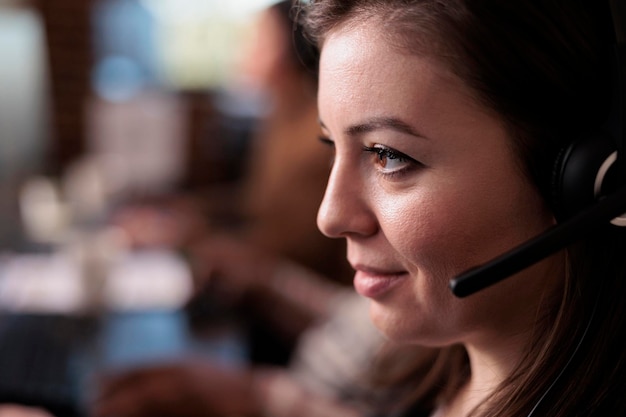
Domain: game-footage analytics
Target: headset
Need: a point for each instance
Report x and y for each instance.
(583, 172)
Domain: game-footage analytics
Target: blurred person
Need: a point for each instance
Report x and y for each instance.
(286, 173)
(283, 184)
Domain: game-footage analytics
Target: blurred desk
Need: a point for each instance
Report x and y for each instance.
(52, 348)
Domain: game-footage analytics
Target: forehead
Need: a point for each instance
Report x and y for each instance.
(361, 67)
(357, 49)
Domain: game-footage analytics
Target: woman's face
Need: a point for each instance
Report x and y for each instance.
(425, 184)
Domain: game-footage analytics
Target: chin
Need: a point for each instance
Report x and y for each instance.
(401, 327)
(391, 324)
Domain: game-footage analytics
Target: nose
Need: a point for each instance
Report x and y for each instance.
(344, 210)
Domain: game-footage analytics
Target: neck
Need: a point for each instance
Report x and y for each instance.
(490, 365)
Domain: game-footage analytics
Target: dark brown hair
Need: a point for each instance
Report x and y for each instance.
(543, 67)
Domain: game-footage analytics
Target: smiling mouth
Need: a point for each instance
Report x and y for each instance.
(376, 284)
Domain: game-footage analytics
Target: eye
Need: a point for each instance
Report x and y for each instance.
(329, 142)
(391, 161)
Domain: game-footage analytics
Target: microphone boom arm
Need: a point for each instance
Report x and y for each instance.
(555, 238)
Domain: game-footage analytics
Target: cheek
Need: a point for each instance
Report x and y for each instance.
(445, 233)
(424, 231)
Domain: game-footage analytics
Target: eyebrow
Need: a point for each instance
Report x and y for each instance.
(380, 123)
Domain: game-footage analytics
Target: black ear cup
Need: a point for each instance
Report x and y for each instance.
(583, 173)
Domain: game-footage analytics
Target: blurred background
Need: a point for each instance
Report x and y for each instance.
(108, 104)
(102, 100)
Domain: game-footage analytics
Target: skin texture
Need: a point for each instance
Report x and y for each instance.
(453, 198)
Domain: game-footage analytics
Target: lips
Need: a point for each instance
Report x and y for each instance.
(374, 283)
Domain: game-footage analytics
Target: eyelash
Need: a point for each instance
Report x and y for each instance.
(381, 152)
(326, 141)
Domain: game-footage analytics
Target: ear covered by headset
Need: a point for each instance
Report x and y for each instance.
(588, 170)
(584, 172)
